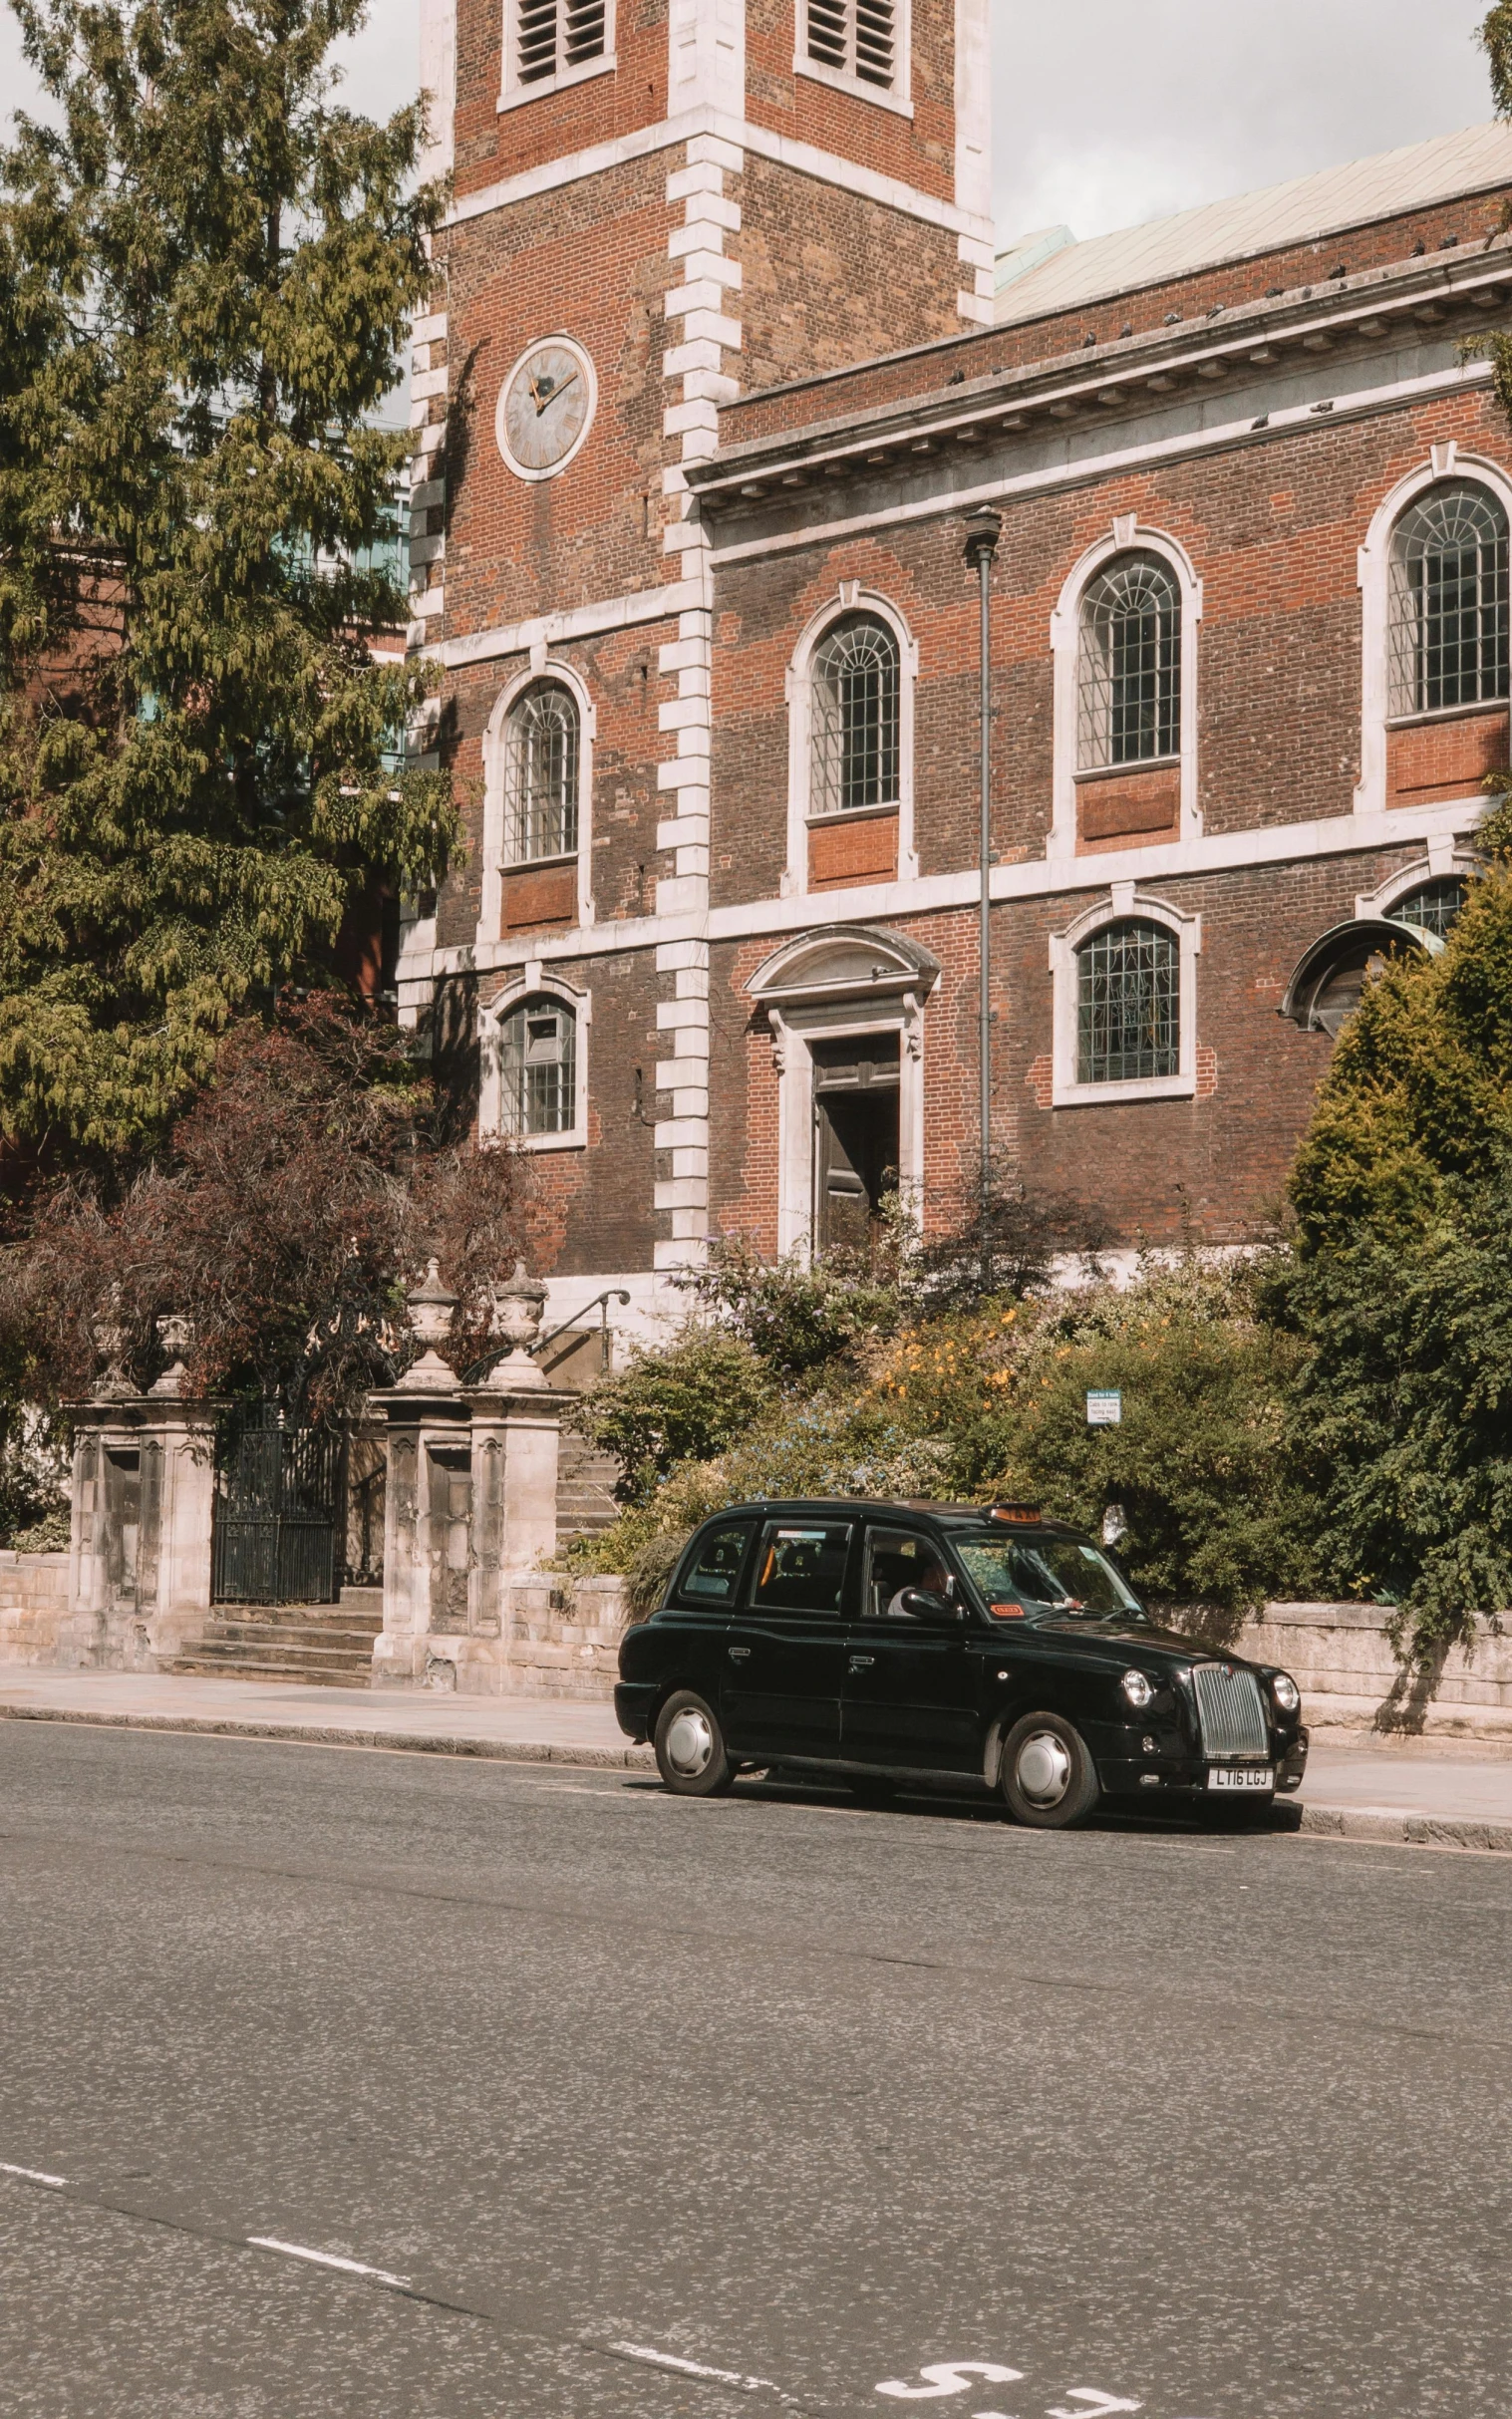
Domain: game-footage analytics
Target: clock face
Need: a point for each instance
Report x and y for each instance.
(544, 407)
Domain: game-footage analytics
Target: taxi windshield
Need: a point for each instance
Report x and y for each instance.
(1043, 1572)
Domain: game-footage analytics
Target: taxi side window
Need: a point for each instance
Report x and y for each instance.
(896, 1560)
(713, 1572)
(800, 1566)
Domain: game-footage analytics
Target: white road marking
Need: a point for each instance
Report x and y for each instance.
(32, 2175)
(696, 2368)
(952, 2377)
(1096, 2404)
(327, 2259)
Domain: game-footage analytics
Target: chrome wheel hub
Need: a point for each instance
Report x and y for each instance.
(690, 1743)
(1044, 1768)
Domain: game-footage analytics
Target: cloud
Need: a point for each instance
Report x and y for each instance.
(1107, 115)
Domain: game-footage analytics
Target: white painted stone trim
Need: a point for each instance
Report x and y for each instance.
(680, 927)
(851, 598)
(1089, 468)
(794, 1027)
(1121, 902)
(643, 605)
(1446, 462)
(490, 898)
(1445, 856)
(973, 114)
(738, 134)
(1126, 536)
(515, 94)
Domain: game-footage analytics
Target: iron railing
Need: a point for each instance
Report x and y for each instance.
(280, 1516)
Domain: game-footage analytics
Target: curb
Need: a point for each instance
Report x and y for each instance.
(324, 1734)
(1404, 1829)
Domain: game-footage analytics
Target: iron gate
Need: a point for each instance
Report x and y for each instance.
(280, 1515)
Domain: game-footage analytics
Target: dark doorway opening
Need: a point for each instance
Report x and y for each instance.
(855, 1103)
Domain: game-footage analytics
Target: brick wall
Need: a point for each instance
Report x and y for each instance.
(917, 149)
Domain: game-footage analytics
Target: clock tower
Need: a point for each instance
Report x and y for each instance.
(658, 204)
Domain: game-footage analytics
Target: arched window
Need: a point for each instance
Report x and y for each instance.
(538, 1069)
(1129, 674)
(1432, 908)
(855, 721)
(1448, 623)
(541, 774)
(1128, 1004)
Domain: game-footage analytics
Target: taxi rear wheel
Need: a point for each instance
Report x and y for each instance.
(690, 1748)
(1048, 1778)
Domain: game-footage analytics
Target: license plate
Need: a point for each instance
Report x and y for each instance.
(1240, 1776)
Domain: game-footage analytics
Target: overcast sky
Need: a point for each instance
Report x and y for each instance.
(1107, 112)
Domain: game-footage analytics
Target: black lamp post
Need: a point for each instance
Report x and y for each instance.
(983, 528)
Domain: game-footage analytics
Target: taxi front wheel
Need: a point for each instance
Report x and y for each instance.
(1048, 1777)
(690, 1748)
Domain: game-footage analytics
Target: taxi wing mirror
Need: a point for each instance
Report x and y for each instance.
(925, 1604)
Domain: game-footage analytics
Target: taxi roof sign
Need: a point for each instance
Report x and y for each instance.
(1026, 1512)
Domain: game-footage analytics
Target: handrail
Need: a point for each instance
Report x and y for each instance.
(600, 1303)
(611, 1292)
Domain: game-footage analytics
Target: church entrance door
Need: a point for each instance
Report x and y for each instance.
(856, 1098)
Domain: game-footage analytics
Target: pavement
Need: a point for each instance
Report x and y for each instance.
(1419, 1792)
(390, 2087)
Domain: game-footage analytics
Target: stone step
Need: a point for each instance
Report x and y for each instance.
(212, 1668)
(298, 1632)
(225, 1651)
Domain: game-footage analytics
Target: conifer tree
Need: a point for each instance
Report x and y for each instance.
(206, 267)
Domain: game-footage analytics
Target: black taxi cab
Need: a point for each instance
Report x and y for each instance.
(886, 1643)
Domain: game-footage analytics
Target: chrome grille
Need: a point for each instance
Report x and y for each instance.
(1231, 1710)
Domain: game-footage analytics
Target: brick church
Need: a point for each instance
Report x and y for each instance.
(721, 359)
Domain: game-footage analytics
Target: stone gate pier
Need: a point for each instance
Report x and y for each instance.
(469, 1507)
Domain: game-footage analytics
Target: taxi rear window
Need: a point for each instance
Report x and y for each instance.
(711, 1573)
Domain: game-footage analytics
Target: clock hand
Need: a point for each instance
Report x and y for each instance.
(559, 387)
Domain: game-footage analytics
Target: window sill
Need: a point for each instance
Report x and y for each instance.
(521, 93)
(1136, 1087)
(538, 865)
(1129, 772)
(839, 83)
(850, 814)
(1446, 714)
(576, 1140)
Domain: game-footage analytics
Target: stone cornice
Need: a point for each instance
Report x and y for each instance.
(1321, 318)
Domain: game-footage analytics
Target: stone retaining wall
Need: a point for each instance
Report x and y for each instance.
(34, 1615)
(1341, 1661)
(562, 1640)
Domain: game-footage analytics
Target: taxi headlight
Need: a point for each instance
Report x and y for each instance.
(1286, 1692)
(1137, 1688)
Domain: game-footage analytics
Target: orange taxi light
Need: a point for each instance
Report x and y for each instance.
(1016, 1511)
(1007, 1611)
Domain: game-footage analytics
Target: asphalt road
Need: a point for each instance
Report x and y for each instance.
(834, 2103)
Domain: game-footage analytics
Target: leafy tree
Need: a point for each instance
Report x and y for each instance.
(800, 1317)
(205, 271)
(1401, 1290)
(307, 1181)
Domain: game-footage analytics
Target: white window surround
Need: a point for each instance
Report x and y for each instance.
(852, 597)
(515, 94)
(1128, 535)
(533, 983)
(1445, 859)
(1124, 901)
(493, 869)
(1375, 565)
(895, 97)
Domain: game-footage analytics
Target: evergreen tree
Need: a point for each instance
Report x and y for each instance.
(206, 267)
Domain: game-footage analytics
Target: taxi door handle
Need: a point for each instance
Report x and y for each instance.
(738, 1655)
(862, 1662)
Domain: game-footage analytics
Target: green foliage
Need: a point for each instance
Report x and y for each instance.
(1403, 1413)
(800, 1316)
(685, 1402)
(992, 1403)
(206, 272)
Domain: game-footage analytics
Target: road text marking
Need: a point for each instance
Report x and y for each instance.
(696, 2368)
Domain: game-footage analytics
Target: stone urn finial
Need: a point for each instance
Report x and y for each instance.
(110, 1336)
(519, 1306)
(175, 1333)
(430, 1319)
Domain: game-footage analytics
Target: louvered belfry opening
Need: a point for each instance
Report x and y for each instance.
(553, 35)
(856, 38)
